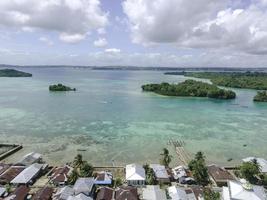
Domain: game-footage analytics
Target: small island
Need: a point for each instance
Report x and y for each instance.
(13, 73)
(261, 96)
(190, 88)
(60, 88)
(248, 80)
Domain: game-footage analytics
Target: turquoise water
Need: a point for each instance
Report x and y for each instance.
(114, 121)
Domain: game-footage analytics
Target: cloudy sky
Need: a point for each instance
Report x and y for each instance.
(172, 33)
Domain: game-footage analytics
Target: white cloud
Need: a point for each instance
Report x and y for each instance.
(47, 41)
(113, 50)
(199, 24)
(101, 42)
(73, 19)
(71, 38)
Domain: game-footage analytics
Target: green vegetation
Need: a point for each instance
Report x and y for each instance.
(117, 182)
(81, 169)
(190, 88)
(249, 80)
(199, 169)
(150, 175)
(261, 96)
(211, 195)
(166, 157)
(250, 171)
(13, 73)
(60, 87)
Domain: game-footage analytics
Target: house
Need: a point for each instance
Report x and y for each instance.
(79, 197)
(3, 167)
(63, 193)
(104, 193)
(103, 178)
(2, 191)
(28, 175)
(126, 192)
(60, 175)
(219, 175)
(179, 172)
(197, 191)
(262, 162)
(153, 192)
(10, 174)
(181, 193)
(30, 159)
(43, 194)
(160, 173)
(243, 191)
(135, 175)
(19, 194)
(85, 186)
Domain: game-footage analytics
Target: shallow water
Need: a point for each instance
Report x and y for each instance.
(114, 121)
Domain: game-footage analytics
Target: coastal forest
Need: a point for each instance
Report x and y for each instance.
(190, 88)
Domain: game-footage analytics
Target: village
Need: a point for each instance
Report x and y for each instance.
(32, 178)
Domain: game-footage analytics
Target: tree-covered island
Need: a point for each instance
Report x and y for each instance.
(248, 80)
(261, 96)
(13, 73)
(190, 88)
(60, 88)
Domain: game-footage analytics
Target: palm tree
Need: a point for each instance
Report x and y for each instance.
(86, 170)
(78, 161)
(73, 176)
(166, 157)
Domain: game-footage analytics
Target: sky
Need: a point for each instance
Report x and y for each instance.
(148, 33)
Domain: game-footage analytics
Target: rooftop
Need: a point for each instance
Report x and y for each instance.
(219, 173)
(30, 158)
(10, 174)
(126, 192)
(27, 174)
(153, 192)
(160, 171)
(43, 194)
(244, 191)
(135, 172)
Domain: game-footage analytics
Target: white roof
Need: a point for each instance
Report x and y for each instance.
(153, 192)
(83, 185)
(160, 171)
(177, 193)
(2, 190)
(262, 162)
(64, 193)
(27, 174)
(236, 190)
(30, 158)
(179, 172)
(79, 197)
(135, 172)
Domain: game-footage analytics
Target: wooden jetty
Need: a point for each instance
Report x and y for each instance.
(13, 149)
(182, 154)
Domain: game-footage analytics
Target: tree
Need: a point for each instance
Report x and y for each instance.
(199, 169)
(150, 175)
(211, 195)
(117, 182)
(78, 161)
(249, 171)
(8, 188)
(166, 157)
(73, 177)
(86, 170)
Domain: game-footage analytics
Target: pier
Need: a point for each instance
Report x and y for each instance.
(9, 149)
(182, 154)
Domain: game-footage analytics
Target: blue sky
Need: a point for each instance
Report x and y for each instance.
(167, 33)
